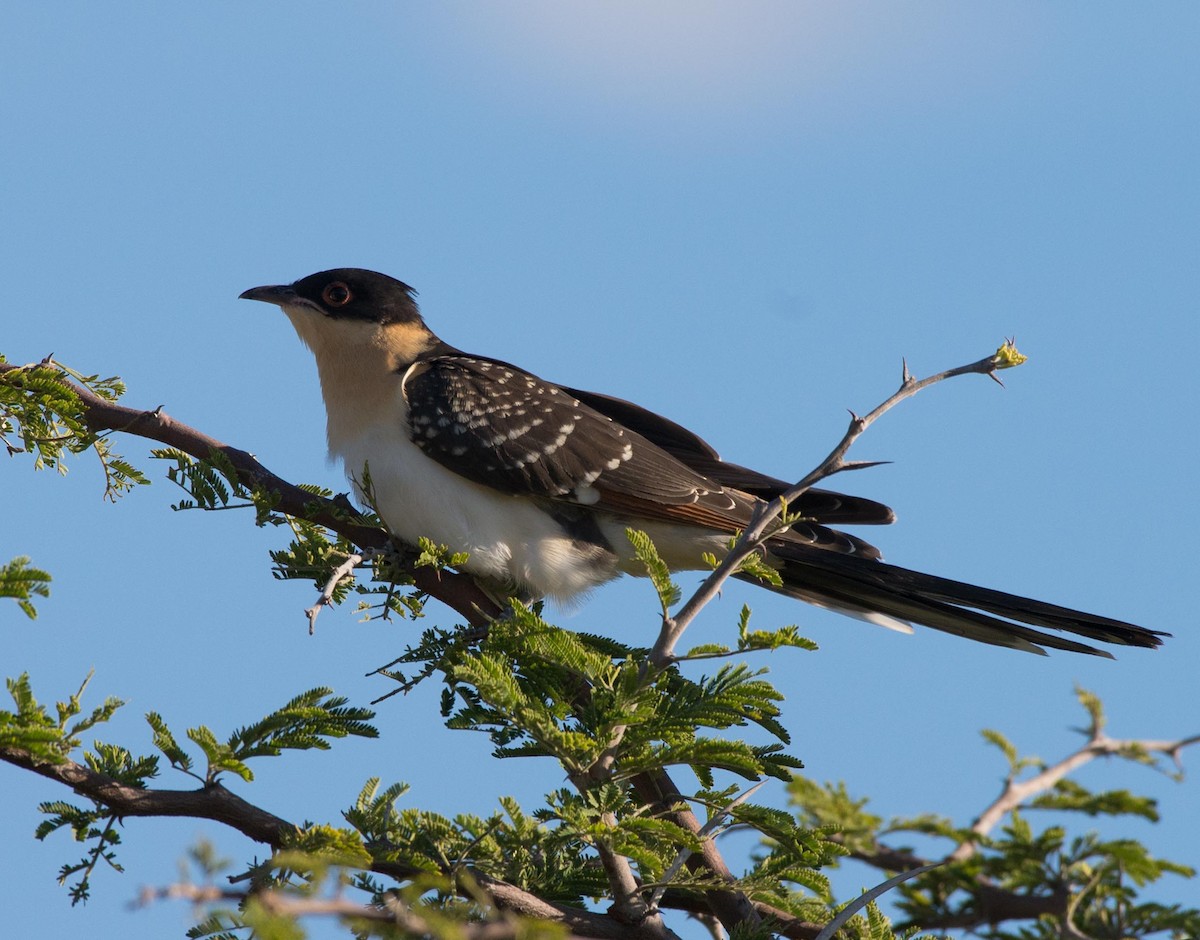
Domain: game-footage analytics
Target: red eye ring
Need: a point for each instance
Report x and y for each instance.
(336, 294)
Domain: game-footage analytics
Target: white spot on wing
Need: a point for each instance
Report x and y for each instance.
(587, 495)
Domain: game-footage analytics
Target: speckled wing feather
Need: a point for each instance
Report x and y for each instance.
(491, 422)
(822, 506)
(494, 423)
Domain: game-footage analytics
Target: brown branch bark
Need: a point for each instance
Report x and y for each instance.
(730, 906)
(220, 805)
(992, 905)
(457, 591)
(211, 802)
(288, 905)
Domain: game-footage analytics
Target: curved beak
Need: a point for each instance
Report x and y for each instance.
(278, 294)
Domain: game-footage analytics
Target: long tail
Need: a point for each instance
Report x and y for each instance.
(876, 591)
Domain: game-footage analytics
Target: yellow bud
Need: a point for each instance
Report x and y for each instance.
(1007, 356)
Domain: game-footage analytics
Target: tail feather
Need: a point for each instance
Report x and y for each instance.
(862, 587)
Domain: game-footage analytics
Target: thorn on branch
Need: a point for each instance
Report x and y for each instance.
(859, 464)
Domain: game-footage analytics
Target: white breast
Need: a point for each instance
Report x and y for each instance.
(507, 538)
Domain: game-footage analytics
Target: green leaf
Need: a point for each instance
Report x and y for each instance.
(45, 413)
(305, 722)
(220, 756)
(756, 567)
(438, 556)
(1095, 709)
(20, 581)
(1069, 795)
(165, 742)
(657, 570)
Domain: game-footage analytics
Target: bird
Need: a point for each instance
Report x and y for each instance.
(539, 483)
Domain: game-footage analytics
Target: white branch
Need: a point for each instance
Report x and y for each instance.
(1017, 792)
(325, 598)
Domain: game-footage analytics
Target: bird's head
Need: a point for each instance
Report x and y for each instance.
(343, 294)
(351, 318)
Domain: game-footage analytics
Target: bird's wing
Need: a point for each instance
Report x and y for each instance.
(822, 506)
(505, 428)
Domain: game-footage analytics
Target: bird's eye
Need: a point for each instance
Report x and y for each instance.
(336, 294)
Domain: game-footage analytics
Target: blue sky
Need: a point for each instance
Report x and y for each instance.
(741, 216)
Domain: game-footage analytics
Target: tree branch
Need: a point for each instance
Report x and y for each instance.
(761, 525)
(220, 805)
(730, 906)
(457, 591)
(211, 802)
(992, 904)
(288, 905)
(1016, 792)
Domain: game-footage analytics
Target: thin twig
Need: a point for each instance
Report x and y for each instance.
(705, 834)
(760, 527)
(325, 598)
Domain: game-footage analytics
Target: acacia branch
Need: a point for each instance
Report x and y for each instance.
(209, 802)
(730, 906)
(391, 911)
(991, 904)
(220, 805)
(458, 591)
(1016, 792)
(762, 524)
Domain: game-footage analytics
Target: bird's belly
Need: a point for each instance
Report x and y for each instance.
(507, 538)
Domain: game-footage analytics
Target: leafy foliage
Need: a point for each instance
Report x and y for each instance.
(44, 737)
(304, 723)
(1052, 882)
(45, 414)
(753, 640)
(584, 707)
(600, 709)
(21, 581)
(51, 739)
(656, 569)
(315, 552)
